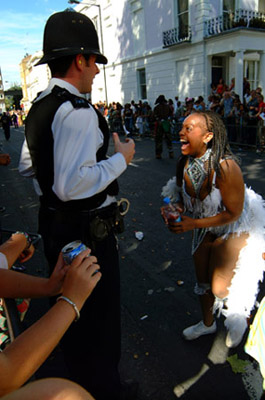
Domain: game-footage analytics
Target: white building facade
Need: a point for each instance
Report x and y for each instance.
(34, 79)
(171, 47)
(177, 47)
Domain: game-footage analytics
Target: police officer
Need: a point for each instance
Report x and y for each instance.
(65, 150)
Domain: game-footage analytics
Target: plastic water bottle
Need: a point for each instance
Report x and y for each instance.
(170, 210)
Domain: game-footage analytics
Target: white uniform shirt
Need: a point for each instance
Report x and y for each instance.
(77, 174)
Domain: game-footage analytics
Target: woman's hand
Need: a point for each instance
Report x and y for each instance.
(186, 224)
(81, 278)
(55, 282)
(26, 254)
(178, 207)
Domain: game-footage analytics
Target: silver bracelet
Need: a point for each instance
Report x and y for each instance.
(72, 304)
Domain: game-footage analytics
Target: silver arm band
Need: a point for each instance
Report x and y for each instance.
(72, 304)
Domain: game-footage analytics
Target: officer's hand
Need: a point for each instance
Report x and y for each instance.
(127, 149)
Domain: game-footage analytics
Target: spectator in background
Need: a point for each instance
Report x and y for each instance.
(213, 89)
(171, 105)
(227, 103)
(6, 122)
(237, 115)
(139, 123)
(252, 110)
(128, 118)
(199, 104)
(179, 112)
(176, 100)
(261, 124)
(246, 85)
(220, 87)
(189, 106)
(215, 104)
(232, 85)
(147, 117)
(14, 119)
(162, 114)
(247, 97)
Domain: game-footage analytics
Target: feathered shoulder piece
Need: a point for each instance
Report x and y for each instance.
(171, 190)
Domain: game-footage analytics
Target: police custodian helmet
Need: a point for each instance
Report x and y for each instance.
(69, 33)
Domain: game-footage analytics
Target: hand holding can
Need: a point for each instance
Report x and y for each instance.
(170, 211)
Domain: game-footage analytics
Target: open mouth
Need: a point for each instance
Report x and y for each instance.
(184, 144)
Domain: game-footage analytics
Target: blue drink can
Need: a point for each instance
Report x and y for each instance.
(71, 250)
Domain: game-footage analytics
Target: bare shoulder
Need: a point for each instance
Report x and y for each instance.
(230, 167)
(231, 174)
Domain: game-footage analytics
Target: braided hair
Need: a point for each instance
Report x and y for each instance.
(221, 149)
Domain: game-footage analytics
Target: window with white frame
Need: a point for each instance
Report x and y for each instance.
(262, 6)
(138, 26)
(142, 83)
(229, 6)
(251, 68)
(182, 17)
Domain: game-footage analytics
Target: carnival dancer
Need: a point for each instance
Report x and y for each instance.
(227, 220)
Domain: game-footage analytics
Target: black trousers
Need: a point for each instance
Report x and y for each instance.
(6, 129)
(91, 346)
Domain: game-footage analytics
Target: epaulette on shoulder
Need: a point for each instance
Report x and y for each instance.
(77, 102)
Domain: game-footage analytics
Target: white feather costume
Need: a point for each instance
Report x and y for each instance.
(250, 265)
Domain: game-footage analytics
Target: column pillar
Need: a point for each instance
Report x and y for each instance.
(208, 74)
(262, 71)
(239, 74)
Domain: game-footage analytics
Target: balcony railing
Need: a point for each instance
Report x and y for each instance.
(238, 19)
(176, 35)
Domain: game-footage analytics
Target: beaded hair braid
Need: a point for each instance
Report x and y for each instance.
(219, 143)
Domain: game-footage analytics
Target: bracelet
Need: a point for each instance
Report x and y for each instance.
(28, 238)
(72, 304)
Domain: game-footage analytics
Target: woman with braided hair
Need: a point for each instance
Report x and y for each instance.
(227, 220)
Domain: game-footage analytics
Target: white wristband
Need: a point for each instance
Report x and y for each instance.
(72, 304)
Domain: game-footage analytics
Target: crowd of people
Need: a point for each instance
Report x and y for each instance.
(14, 118)
(65, 152)
(244, 120)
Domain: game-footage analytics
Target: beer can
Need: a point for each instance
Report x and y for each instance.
(71, 250)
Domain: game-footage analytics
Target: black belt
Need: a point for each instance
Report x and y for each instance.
(103, 212)
(100, 221)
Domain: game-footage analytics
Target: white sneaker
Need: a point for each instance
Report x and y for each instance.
(236, 331)
(195, 331)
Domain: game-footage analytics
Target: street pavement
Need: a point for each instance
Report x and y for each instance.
(157, 279)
